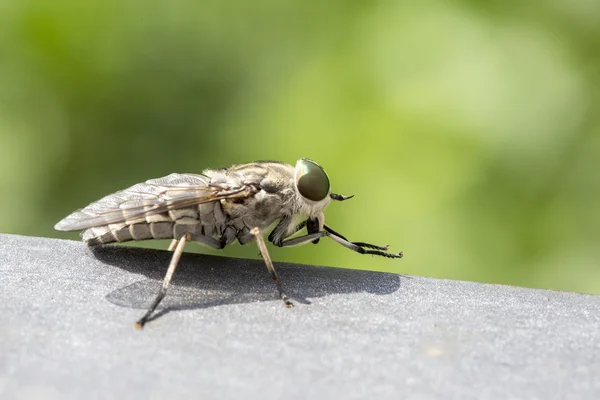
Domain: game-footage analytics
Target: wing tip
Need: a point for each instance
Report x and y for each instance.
(62, 225)
(67, 225)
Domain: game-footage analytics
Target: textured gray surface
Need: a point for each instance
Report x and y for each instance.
(67, 313)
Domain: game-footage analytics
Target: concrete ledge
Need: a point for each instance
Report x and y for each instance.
(67, 317)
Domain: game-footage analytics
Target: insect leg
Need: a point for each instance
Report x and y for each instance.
(372, 246)
(267, 258)
(163, 290)
(302, 239)
(173, 245)
(328, 229)
(206, 241)
(179, 244)
(228, 236)
(356, 247)
(341, 240)
(281, 230)
(361, 244)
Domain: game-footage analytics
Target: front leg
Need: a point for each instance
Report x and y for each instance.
(280, 232)
(354, 246)
(361, 244)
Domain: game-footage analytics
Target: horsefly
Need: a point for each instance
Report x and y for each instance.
(217, 207)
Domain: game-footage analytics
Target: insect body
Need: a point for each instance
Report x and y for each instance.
(217, 208)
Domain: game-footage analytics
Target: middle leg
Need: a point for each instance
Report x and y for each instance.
(267, 258)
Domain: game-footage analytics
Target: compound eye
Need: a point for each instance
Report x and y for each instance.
(311, 180)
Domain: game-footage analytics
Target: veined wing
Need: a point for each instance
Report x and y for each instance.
(155, 196)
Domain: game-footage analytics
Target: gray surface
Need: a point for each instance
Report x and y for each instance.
(67, 313)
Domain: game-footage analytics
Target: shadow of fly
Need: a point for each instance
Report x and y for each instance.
(216, 208)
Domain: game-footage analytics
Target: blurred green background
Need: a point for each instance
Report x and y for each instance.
(469, 131)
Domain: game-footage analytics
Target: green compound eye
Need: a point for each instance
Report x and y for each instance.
(311, 180)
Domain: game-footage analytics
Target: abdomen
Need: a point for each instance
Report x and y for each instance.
(204, 219)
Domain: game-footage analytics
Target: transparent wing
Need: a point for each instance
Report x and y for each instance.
(155, 196)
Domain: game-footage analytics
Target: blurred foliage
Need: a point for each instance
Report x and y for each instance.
(469, 131)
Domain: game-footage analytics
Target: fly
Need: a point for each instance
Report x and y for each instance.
(215, 209)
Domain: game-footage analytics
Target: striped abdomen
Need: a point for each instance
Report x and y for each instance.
(207, 219)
